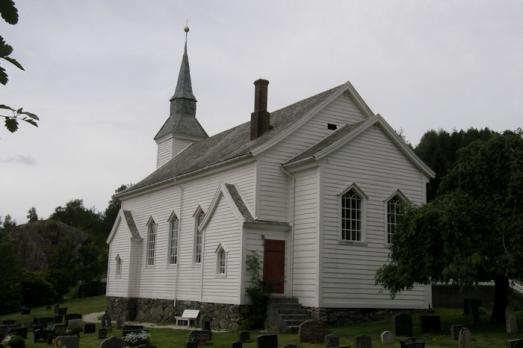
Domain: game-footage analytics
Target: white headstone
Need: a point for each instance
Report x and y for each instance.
(387, 337)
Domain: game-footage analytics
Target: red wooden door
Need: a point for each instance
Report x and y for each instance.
(274, 265)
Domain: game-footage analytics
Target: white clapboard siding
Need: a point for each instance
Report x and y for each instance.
(165, 151)
(255, 239)
(120, 245)
(224, 229)
(161, 280)
(378, 168)
(306, 238)
(273, 187)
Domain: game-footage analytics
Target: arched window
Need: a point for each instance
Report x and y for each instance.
(151, 241)
(221, 261)
(198, 235)
(394, 211)
(118, 265)
(351, 215)
(173, 239)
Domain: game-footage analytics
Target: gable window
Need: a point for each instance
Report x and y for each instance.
(221, 257)
(118, 266)
(351, 215)
(173, 239)
(394, 211)
(198, 235)
(151, 241)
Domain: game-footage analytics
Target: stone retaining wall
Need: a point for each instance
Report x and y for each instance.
(223, 316)
(340, 316)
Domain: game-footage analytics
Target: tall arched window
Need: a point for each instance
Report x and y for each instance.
(221, 260)
(173, 239)
(151, 241)
(198, 235)
(394, 211)
(118, 266)
(351, 215)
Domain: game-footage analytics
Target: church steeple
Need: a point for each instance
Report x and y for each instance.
(181, 128)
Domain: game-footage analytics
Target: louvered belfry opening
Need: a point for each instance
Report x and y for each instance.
(260, 118)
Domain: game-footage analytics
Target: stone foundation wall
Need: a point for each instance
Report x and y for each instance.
(340, 316)
(222, 316)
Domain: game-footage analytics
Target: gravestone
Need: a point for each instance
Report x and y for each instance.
(403, 325)
(515, 343)
(387, 337)
(511, 321)
(62, 311)
(59, 330)
(245, 336)
(127, 329)
(113, 342)
(332, 341)
(75, 325)
(191, 345)
(363, 341)
(207, 327)
(465, 338)
(430, 323)
(58, 319)
(412, 342)
(72, 316)
(89, 328)
(102, 333)
(67, 341)
(201, 337)
(105, 322)
(312, 331)
(236, 344)
(267, 341)
(454, 331)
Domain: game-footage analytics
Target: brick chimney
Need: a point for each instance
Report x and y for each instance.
(260, 118)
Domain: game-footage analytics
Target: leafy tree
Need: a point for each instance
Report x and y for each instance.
(438, 149)
(10, 297)
(9, 223)
(75, 214)
(112, 209)
(472, 231)
(9, 13)
(32, 216)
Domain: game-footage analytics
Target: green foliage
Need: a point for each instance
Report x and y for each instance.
(10, 297)
(473, 230)
(37, 290)
(438, 149)
(256, 293)
(32, 216)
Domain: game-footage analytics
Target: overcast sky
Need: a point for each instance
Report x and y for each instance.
(100, 74)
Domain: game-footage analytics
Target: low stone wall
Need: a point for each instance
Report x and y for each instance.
(340, 316)
(223, 316)
(452, 296)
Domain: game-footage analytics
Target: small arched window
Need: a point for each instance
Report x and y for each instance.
(173, 239)
(394, 212)
(151, 241)
(221, 261)
(118, 266)
(351, 215)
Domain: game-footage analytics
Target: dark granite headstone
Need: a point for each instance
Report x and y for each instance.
(454, 331)
(412, 342)
(267, 341)
(207, 327)
(312, 331)
(237, 344)
(515, 343)
(71, 317)
(430, 323)
(201, 337)
(332, 341)
(403, 325)
(113, 342)
(102, 333)
(363, 341)
(245, 336)
(89, 328)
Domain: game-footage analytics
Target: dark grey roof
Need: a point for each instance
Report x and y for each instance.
(130, 223)
(329, 140)
(240, 204)
(232, 143)
(182, 125)
(184, 84)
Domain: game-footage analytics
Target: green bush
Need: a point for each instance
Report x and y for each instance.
(256, 292)
(36, 290)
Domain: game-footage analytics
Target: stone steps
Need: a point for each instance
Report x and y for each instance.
(288, 312)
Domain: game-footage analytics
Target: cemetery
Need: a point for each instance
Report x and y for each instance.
(43, 327)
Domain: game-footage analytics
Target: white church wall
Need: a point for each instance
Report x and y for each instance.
(117, 285)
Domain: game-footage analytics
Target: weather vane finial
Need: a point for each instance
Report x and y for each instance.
(186, 29)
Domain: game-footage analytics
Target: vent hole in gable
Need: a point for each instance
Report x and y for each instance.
(331, 126)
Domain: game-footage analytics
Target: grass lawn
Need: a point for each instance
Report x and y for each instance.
(483, 336)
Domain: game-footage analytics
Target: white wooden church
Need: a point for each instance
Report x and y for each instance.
(314, 188)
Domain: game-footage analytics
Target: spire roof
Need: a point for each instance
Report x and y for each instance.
(184, 85)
